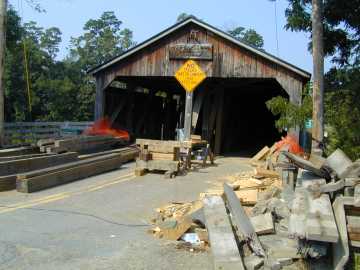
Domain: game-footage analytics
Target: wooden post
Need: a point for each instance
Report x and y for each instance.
(318, 70)
(197, 107)
(3, 8)
(219, 121)
(99, 98)
(188, 115)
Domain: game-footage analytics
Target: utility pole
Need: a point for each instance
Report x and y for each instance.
(3, 9)
(318, 76)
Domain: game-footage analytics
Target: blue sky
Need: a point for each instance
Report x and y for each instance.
(147, 18)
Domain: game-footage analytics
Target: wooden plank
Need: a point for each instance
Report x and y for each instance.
(44, 142)
(197, 107)
(242, 221)
(320, 223)
(79, 171)
(72, 142)
(7, 182)
(2, 159)
(66, 166)
(163, 156)
(259, 172)
(261, 154)
(119, 108)
(223, 244)
(123, 150)
(18, 151)
(178, 144)
(219, 122)
(161, 165)
(353, 223)
(247, 197)
(36, 163)
(86, 144)
(357, 195)
(174, 229)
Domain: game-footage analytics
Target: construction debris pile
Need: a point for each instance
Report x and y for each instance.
(52, 162)
(291, 212)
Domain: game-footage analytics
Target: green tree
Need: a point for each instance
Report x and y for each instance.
(248, 36)
(342, 110)
(291, 115)
(342, 83)
(341, 27)
(103, 39)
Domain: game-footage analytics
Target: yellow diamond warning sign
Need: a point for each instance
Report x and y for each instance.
(190, 75)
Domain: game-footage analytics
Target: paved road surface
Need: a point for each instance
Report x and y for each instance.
(100, 222)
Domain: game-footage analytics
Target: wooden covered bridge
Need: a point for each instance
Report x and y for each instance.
(137, 90)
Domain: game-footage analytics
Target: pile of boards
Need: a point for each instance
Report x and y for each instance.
(288, 212)
(323, 196)
(170, 157)
(82, 144)
(29, 169)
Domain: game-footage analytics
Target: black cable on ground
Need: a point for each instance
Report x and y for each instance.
(78, 214)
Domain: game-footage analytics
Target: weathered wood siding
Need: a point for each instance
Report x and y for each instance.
(229, 60)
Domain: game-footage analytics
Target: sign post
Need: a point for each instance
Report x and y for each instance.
(189, 76)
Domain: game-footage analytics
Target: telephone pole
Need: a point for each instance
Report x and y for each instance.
(3, 9)
(318, 76)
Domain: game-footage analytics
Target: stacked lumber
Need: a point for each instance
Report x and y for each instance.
(57, 175)
(169, 156)
(13, 165)
(35, 163)
(83, 144)
(127, 154)
(20, 163)
(17, 151)
(159, 155)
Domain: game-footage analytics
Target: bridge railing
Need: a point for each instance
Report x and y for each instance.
(30, 132)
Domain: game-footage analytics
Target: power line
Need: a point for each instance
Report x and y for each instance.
(276, 29)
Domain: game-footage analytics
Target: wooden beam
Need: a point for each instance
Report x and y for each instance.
(66, 166)
(99, 98)
(261, 154)
(188, 114)
(2, 159)
(242, 221)
(65, 174)
(31, 164)
(25, 150)
(199, 98)
(219, 121)
(130, 109)
(223, 244)
(118, 109)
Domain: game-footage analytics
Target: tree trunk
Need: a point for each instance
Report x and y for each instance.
(318, 73)
(3, 8)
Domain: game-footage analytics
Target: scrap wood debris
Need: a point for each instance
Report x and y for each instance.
(283, 213)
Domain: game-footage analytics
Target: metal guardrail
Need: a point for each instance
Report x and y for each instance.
(30, 132)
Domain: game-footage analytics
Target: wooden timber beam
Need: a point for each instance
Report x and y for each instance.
(103, 80)
(219, 121)
(199, 98)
